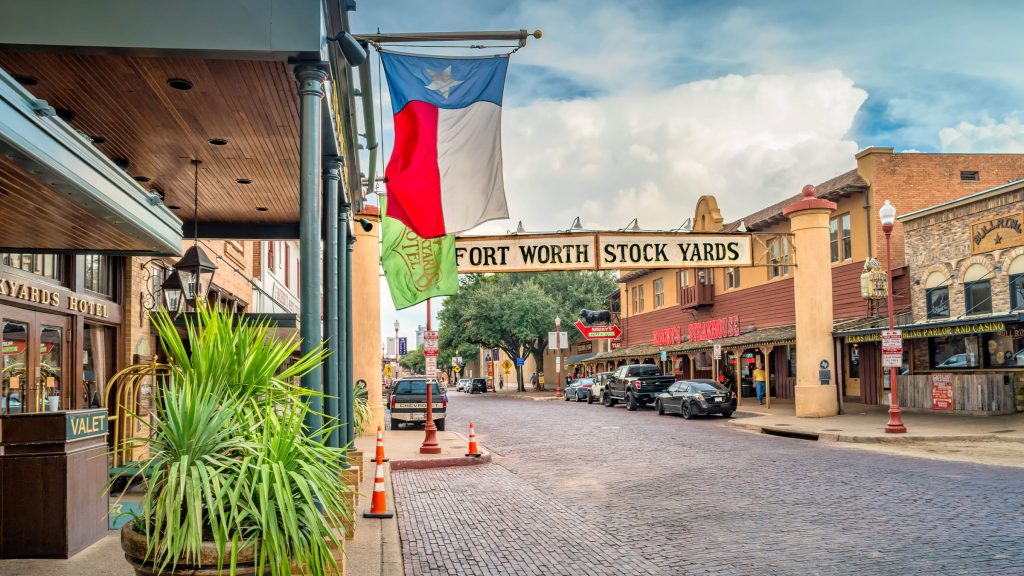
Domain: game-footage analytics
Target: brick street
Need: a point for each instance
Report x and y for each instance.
(584, 489)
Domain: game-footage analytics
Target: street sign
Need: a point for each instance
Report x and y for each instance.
(387, 371)
(562, 340)
(892, 349)
(430, 344)
(718, 351)
(431, 363)
(520, 361)
(506, 365)
(456, 369)
(664, 355)
(403, 346)
(598, 332)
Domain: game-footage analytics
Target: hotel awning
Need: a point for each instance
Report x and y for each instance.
(59, 193)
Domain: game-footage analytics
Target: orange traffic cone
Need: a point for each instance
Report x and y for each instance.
(380, 445)
(473, 450)
(379, 503)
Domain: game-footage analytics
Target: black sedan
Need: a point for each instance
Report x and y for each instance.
(579, 390)
(696, 397)
(479, 385)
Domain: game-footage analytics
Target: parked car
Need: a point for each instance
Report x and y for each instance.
(600, 381)
(478, 385)
(407, 402)
(696, 397)
(579, 389)
(463, 385)
(635, 384)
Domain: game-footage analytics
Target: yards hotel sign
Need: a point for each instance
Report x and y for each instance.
(602, 251)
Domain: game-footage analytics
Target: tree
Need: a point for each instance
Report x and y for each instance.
(413, 362)
(514, 312)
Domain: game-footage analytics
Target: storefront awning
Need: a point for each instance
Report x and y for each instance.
(578, 358)
(973, 325)
(59, 193)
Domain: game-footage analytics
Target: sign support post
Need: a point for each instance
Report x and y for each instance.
(430, 445)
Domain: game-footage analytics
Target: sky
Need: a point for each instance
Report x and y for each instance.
(630, 109)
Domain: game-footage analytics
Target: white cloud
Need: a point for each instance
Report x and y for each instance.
(988, 135)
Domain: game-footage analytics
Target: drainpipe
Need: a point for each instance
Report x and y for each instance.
(311, 77)
(350, 403)
(366, 89)
(343, 321)
(867, 213)
(331, 176)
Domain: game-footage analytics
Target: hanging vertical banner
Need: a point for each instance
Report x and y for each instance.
(445, 172)
(416, 268)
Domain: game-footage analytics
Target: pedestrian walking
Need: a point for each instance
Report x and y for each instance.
(759, 380)
(501, 383)
(533, 380)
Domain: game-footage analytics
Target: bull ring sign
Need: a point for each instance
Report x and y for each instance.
(600, 251)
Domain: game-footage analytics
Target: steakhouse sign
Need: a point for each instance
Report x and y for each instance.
(601, 251)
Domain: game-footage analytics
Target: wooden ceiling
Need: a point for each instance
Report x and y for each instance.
(126, 101)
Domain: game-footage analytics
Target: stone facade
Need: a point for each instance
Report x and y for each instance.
(941, 242)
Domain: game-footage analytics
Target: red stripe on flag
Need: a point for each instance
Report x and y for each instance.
(414, 182)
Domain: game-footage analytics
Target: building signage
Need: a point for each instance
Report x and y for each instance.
(616, 344)
(667, 336)
(714, 329)
(403, 346)
(933, 332)
(585, 348)
(942, 392)
(602, 251)
(430, 343)
(892, 349)
(997, 233)
(598, 332)
(85, 423)
(43, 296)
(285, 298)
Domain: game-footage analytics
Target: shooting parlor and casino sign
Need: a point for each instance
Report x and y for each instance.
(602, 251)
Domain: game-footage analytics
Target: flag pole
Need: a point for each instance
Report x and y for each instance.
(430, 445)
(397, 38)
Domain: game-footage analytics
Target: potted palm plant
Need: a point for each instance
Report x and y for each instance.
(236, 483)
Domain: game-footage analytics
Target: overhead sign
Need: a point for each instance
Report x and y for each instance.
(598, 332)
(559, 342)
(430, 343)
(601, 251)
(892, 349)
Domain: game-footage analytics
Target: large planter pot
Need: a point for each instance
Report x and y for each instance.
(134, 545)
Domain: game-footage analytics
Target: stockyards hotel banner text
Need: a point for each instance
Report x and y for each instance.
(602, 251)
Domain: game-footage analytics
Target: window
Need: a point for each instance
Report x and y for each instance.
(638, 299)
(1017, 291)
(1004, 349)
(953, 352)
(99, 274)
(46, 265)
(839, 238)
(978, 297)
(778, 257)
(659, 293)
(732, 278)
(271, 264)
(640, 308)
(937, 302)
(287, 266)
(969, 176)
(684, 278)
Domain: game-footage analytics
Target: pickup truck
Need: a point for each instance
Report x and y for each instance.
(635, 384)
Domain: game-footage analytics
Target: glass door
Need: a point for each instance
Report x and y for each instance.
(35, 357)
(16, 326)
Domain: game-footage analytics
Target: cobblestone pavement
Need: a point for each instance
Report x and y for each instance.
(583, 489)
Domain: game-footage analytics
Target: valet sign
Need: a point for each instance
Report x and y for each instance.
(600, 251)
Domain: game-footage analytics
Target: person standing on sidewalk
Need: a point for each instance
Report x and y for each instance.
(759, 380)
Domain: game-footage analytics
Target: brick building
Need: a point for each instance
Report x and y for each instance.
(660, 308)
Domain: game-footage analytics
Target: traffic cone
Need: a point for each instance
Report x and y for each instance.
(473, 450)
(379, 503)
(380, 445)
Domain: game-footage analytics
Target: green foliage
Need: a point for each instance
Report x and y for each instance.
(413, 361)
(230, 460)
(361, 406)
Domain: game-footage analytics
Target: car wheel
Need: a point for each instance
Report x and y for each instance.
(607, 400)
(727, 414)
(590, 398)
(439, 424)
(686, 411)
(395, 423)
(578, 399)
(661, 409)
(566, 397)
(631, 403)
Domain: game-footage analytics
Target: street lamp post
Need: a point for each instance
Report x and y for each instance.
(887, 214)
(396, 344)
(558, 357)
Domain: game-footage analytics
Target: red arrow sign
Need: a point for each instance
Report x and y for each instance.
(598, 332)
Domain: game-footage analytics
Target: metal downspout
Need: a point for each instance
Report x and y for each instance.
(311, 79)
(344, 320)
(331, 176)
(366, 89)
(350, 405)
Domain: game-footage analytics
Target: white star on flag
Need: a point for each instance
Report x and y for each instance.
(441, 82)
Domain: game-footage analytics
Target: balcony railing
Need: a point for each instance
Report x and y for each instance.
(697, 295)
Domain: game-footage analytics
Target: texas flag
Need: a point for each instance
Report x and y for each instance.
(445, 173)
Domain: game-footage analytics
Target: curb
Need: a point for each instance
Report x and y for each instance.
(854, 439)
(440, 462)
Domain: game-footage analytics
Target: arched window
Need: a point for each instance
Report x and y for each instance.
(977, 290)
(936, 295)
(1016, 272)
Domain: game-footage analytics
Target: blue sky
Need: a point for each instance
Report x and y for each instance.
(624, 108)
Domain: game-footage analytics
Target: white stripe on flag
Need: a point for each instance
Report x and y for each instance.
(469, 160)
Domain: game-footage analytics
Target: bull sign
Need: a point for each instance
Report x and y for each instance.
(604, 331)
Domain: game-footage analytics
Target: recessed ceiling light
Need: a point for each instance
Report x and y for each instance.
(121, 163)
(98, 139)
(25, 80)
(244, 181)
(65, 115)
(141, 179)
(262, 208)
(174, 207)
(179, 83)
(218, 141)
